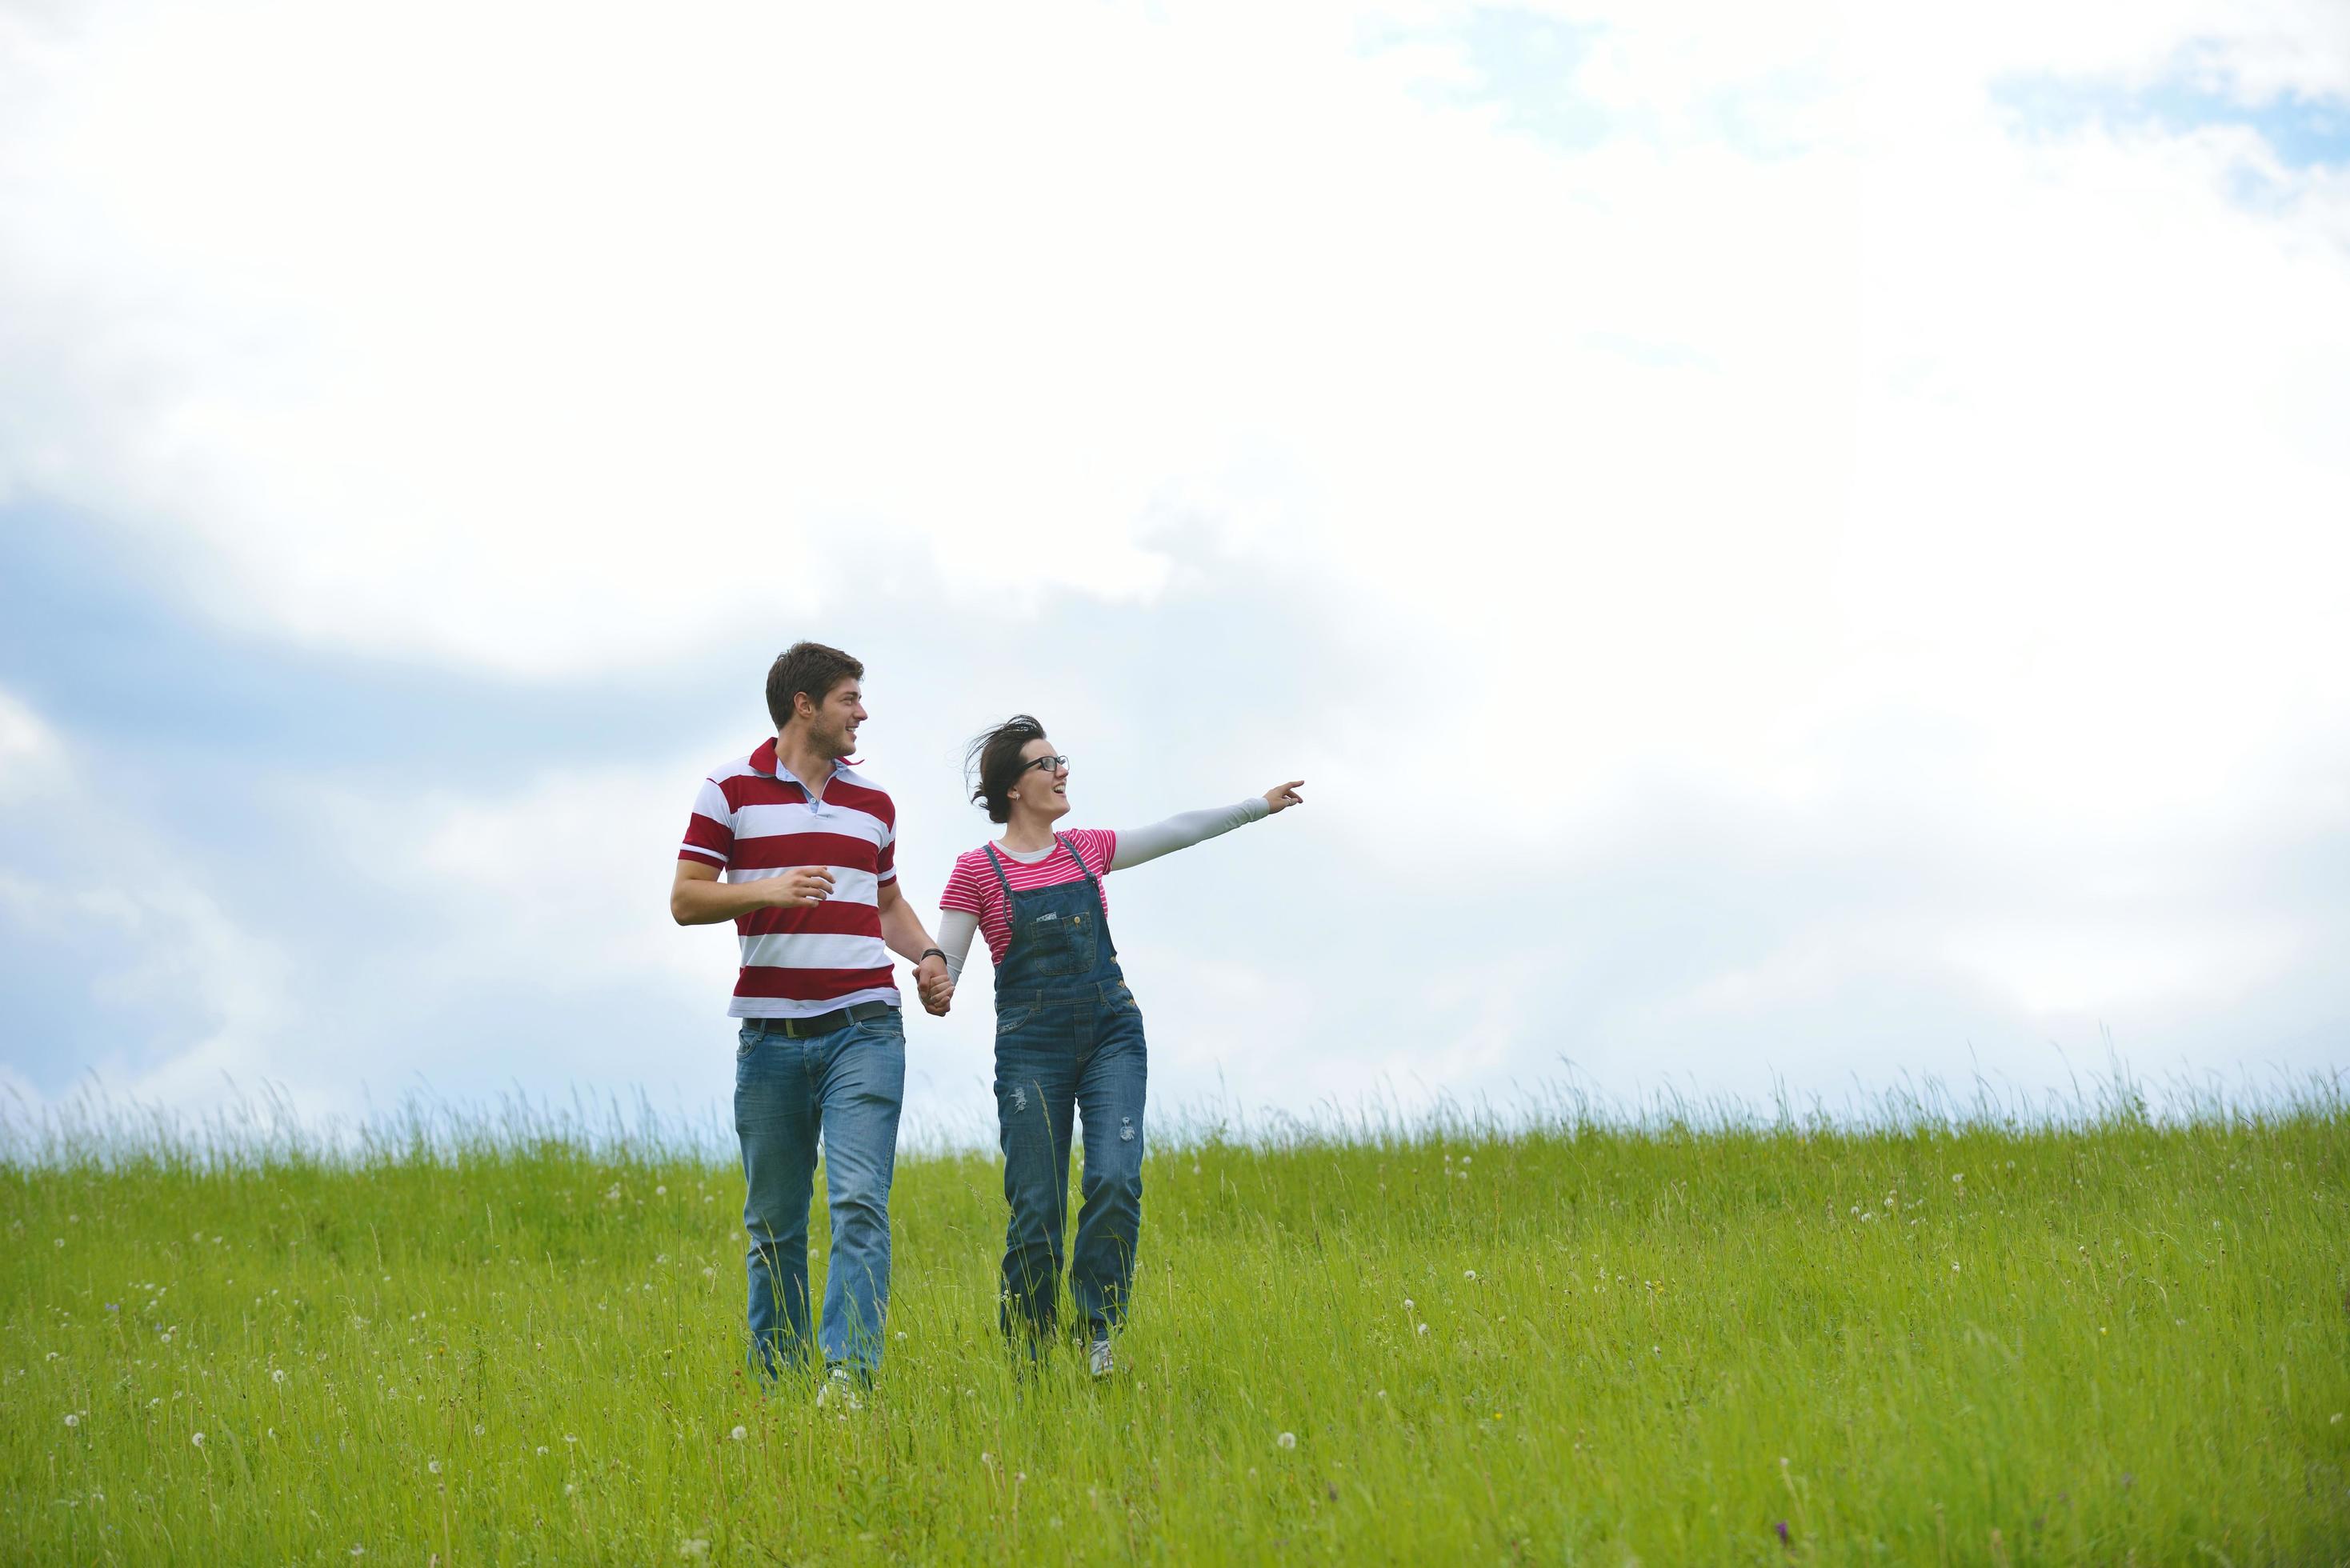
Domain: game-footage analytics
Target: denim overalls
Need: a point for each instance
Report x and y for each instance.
(1068, 1037)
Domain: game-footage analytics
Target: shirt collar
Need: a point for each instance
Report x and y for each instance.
(763, 761)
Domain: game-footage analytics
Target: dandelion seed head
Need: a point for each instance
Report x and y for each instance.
(1287, 1439)
(432, 1467)
(197, 1439)
(739, 1433)
(1469, 1274)
(73, 1420)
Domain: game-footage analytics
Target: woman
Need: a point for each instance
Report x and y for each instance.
(1068, 1037)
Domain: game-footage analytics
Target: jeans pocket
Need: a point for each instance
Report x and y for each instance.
(746, 1039)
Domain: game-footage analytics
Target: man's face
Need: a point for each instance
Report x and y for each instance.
(832, 729)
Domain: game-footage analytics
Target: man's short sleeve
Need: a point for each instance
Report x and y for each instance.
(885, 866)
(710, 831)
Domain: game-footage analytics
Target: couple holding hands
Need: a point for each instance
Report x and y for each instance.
(799, 850)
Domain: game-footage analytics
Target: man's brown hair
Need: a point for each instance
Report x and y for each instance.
(808, 667)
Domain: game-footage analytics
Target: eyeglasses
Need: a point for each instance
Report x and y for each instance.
(1050, 765)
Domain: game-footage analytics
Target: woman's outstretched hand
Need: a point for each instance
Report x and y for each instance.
(1280, 797)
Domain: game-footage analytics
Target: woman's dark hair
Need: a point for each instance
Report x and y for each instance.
(993, 759)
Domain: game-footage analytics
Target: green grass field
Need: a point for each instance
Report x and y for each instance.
(2105, 1342)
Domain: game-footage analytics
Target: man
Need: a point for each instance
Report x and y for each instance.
(809, 852)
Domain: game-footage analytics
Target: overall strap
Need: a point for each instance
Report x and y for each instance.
(1081, 864)
(998, 864)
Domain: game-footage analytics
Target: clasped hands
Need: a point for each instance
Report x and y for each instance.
(936, 985)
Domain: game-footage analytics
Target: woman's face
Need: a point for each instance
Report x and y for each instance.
(1043, 788)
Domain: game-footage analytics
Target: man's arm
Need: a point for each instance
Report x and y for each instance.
(902, 930)
(697, 897)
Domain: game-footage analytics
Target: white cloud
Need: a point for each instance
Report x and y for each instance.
(1821, 447)
(31, 755)
(204, 1006)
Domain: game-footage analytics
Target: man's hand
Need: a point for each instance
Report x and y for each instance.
(802, 887)
(1282, 797)
(938, 990)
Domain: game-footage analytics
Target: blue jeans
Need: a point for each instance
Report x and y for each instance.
(846, 1087)
(1083, 1054)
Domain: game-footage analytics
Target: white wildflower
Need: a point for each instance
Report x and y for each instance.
(72, 1419)
(739, 1433)
(1287, 1439)
(1469, 1275)
(432, 1467)
(278, 1375)
(197, 1439)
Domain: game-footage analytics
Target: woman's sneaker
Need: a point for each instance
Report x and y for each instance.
(839, 1390)
(1103, 1361)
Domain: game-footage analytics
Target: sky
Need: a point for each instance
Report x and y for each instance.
(1800, 549)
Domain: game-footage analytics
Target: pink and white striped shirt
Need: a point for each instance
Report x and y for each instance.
(972, 888)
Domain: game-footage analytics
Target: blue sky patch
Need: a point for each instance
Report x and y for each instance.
(2304, 132)
(1525, 63)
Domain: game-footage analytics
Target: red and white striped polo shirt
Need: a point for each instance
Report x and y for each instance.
(972, 887)
(753, 820)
